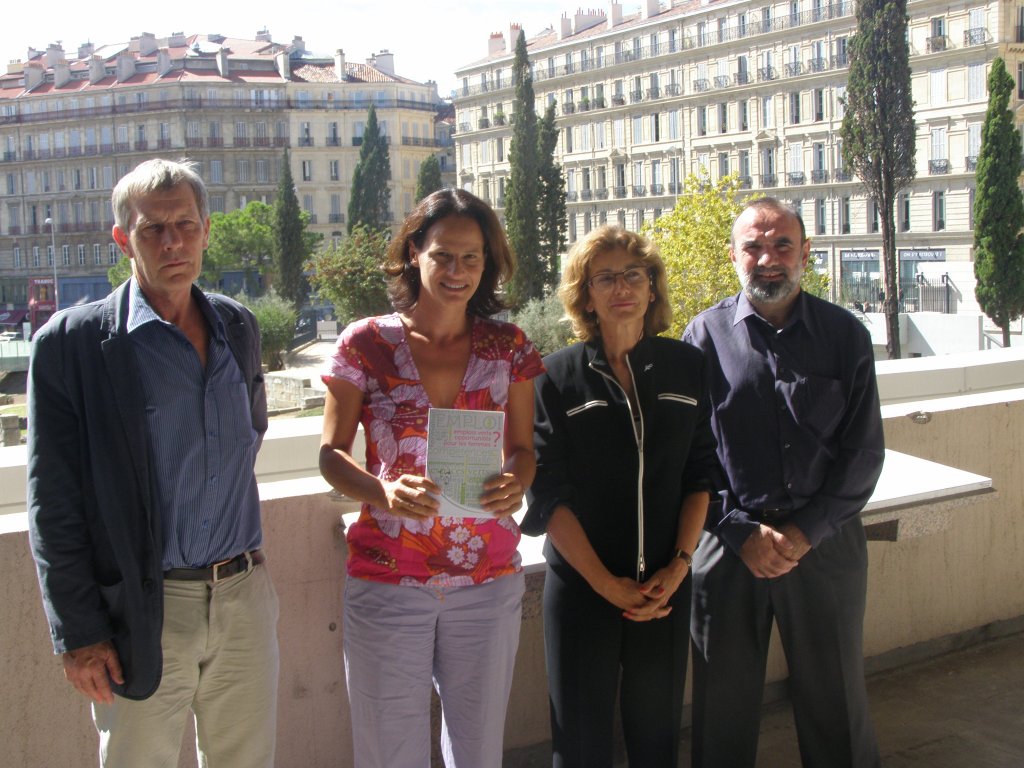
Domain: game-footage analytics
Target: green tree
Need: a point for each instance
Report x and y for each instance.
(120, 271)
(522, 191)
(291, 245)
(544, 323)
(999, 209)
(429, 178)
(878, 129)
(350, 276)
(242, 239)
(368, 204)
(551, 202)
(693, 239)
(276, 318)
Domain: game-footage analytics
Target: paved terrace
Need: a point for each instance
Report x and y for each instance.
(947, 562)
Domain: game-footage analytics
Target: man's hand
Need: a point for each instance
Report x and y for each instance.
(90, 670)
(769, 553)
(800, 545)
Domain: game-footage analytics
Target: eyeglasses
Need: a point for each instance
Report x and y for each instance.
(633, 277)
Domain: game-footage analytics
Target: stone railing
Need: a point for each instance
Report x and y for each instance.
(951, 575)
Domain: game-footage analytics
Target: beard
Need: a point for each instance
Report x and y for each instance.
(765, 291)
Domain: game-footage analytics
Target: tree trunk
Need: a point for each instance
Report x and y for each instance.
(1006, 336)
(890, 275)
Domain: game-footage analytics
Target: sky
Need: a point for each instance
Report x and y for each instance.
(429, 38)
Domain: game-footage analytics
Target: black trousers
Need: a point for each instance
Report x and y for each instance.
(819, 608)
(588, 646)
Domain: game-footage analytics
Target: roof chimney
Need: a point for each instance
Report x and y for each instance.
(54, 53)
(163, 61)
(298, 44)
(339, 65)
(651, 9)
(125, 66)
(564, 27)
(284, 65)
(61, 73)
(147, 44)
(85, 50)
(97, 69)
(385, 62)
(263, 36)
(615, 14)
(513, 35)
(495, 44)
(177, 40)
(222, 61)
(35, 73)
(586, 19)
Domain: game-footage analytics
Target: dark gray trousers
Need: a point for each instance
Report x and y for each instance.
(819, 608)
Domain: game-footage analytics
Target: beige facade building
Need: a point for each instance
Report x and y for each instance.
(72, 124)
(754, 88)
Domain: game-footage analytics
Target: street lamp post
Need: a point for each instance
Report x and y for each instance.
(53, 245)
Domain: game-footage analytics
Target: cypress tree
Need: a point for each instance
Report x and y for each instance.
(368, 204)
(429, 178)
(878, 129)
(290, 243)
(551, 209)
(999, 209)
(522, 191)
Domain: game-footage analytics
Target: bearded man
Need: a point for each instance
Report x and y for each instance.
(795, 411)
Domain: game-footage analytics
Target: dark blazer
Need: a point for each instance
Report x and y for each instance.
(626, 496)
(93, 521)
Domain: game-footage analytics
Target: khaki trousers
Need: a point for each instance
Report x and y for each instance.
(220, 665)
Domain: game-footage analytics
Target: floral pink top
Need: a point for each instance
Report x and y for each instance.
(373, 355)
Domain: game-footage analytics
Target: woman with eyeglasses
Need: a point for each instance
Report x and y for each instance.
(625, 461)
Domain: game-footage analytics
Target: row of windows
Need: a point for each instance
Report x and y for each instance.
(78, 254)
(828, 214)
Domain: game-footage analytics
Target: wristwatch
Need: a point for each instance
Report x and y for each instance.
(685, 556)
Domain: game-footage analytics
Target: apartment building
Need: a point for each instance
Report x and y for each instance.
(753, 88)
(71, 125)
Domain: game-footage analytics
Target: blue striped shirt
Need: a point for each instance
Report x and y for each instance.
(202, 442)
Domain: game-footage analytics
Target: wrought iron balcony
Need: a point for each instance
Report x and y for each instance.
(938, 166)
(796, 177)
(701, 85)
(819, 176)
(767, 73)
(937, 43)
(971, 163)
(769, 180)
(975, 36)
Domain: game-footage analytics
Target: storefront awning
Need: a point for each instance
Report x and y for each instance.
(12, 316)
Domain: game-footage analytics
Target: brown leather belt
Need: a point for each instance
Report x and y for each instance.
(218, 571)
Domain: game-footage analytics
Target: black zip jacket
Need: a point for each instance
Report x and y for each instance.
(624, 475)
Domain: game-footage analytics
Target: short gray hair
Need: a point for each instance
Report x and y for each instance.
(772, 204)
(152, 176)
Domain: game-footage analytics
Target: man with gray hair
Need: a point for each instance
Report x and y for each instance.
(795, 411)
(146, 411)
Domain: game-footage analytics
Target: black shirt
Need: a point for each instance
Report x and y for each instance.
(795, 412)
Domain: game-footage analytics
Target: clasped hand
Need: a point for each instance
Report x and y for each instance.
(769, 553)
(649, 600)
(415, 497)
